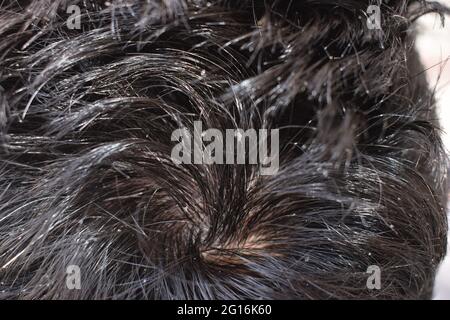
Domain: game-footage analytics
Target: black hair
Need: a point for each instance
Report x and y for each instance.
(87, 179)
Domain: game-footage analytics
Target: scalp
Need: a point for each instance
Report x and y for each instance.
(86, 177)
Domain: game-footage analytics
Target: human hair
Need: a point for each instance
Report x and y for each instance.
(87, 179)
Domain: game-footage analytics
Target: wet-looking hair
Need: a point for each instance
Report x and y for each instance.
(86, 175)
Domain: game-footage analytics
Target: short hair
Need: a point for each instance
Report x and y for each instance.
(87, 180)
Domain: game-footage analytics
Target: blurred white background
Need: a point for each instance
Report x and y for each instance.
(433, 44)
